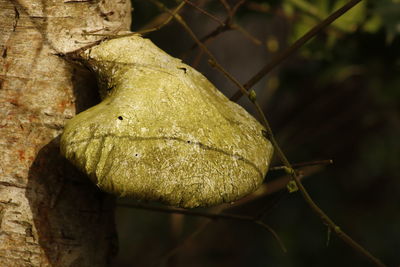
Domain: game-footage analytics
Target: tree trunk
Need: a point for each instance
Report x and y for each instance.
(50, 214)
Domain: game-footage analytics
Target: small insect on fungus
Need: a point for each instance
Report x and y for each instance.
(196, 147)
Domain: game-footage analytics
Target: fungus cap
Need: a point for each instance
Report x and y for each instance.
(163, 132)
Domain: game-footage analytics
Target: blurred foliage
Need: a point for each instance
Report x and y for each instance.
(339, 98)
(368, 16)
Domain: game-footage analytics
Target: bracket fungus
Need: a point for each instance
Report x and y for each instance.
(163, 132)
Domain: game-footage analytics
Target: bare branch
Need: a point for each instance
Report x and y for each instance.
(279, 58)
(164, 23)
(205, 12)
(212, 216)
(304, 164)
(269, 134)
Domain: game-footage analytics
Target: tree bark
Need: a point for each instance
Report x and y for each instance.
(50, 214)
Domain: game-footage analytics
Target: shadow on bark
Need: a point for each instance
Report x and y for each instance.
(86, 91)
(74, 221)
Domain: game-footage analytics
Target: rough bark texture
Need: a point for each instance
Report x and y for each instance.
(50, 215)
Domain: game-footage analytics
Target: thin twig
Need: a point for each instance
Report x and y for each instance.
(269, 188)
(303, 164)
(205, 12)
(246, 34)
(220, 29)
(237, 6)
(160, 26)
(212, 216)
(226, 6)
(274, 234)
(279, 58)
(227, 25)
(183, 242)
(325, 218)
(212, 60)
(314, 207)
(199, 229)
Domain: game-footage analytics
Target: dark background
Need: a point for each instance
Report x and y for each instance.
(338, 98)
